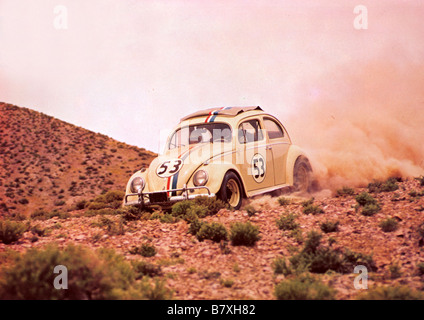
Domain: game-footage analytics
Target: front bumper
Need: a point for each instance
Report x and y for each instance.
(162, 198)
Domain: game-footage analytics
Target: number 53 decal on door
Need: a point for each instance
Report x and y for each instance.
(258, 167)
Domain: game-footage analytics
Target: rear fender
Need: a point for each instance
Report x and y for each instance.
(294, 153)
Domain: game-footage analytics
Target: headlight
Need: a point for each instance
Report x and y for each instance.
(137, 185)
(200, 178)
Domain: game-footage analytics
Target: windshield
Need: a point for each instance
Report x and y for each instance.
(200, 133)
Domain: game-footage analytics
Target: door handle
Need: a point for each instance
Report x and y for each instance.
(268, 148)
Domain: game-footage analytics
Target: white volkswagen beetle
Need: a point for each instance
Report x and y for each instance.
(231, 153)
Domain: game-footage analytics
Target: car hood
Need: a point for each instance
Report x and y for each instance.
(192, 157)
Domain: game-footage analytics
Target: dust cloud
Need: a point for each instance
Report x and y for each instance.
(363, 122)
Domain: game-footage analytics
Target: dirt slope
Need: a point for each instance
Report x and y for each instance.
(48, 163)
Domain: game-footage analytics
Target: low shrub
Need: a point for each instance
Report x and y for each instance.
(391, 293)
(109, 200)
(163, 217)
(280, 266)
(143, 268)
(244, 234)
(81, 204)
(11, 231)
(59, 214)
(370, 209)
(283, 201)
(195, 226)
(39, 231)
(310, 208)
(132, 213)
(330, 226)
(156, 291)
(304, 287)
(23, 201)
(313, 209)
(59, 203)
(364, 198)
(320, 259)
(179, 209)
(213, 204)
(370, 205)
(297, 235)
(395, 271)
(188, 210)
(104, 212)
(345, 191)
(308, 202)
(212, 231)
(227, 283)
(251, 210)
(42, 214)
(383, 186)
(199, 206)
(352, 259)
(196, 211)
(146, 250)
(95, 275)
(389, 225)
(287, 222)
(113, 228)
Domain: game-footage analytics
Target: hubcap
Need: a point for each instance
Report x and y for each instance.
(302, 178)
(233, 193)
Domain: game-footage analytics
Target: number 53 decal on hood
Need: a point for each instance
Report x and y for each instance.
(168, 168)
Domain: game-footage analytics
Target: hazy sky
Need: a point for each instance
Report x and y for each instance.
(129, 68)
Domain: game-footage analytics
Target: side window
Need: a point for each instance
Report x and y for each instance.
(274, 130)
(250, 131)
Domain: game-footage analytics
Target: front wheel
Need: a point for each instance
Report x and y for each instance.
(302, 175)
(231, 191)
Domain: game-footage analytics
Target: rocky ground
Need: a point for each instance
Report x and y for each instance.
(207, 270)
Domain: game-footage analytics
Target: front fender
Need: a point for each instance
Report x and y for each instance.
(216, 172)
(141, 174)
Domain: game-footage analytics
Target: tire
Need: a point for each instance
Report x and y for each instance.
(302, 175)
(231, 191)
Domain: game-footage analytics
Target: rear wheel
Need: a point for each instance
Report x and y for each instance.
(231, 191)
(302, 175)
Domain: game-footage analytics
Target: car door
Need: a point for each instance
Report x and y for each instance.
(278, 143)
(254, 158)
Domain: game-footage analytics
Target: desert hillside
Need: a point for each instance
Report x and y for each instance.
(49, 164)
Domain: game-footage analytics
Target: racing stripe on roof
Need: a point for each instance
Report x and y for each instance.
(213, 114)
